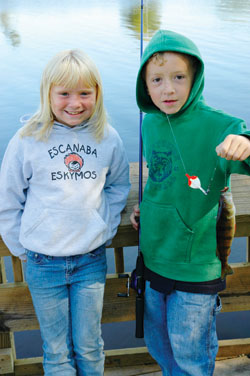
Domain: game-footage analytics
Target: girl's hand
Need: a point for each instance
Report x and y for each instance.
(234, 147)
(135, 217)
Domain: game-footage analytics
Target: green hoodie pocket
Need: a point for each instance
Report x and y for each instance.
(164, 235)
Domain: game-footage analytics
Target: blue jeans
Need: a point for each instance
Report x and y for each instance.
(180, 331)
(67, 294)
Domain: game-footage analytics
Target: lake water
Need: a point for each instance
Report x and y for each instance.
(31, 32)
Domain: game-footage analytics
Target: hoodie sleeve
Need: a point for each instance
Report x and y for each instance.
(236, 167)
(13, 187)
(117, 185)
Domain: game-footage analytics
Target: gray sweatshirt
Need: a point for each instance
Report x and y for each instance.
(62, 197)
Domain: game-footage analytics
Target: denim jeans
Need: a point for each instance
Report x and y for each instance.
(67, 294)
(180, 331)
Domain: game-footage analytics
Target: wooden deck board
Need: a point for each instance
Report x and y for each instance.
(227, 367)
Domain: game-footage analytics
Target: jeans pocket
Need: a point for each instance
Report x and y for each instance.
(37, 258)
(98, 252)
(218, 305)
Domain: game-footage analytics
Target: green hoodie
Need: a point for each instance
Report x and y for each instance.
(178, 224)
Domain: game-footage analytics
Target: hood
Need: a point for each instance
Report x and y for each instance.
(165, 40)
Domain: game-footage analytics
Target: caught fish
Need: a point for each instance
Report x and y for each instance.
(225, 230)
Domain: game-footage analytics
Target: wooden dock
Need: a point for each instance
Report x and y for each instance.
(17, 312)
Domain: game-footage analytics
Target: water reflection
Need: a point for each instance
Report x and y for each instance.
(233, 10)
(234, 6)
(10, 33)
(131, 17)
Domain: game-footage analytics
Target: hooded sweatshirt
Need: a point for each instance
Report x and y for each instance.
(62, 197)
(178, 223)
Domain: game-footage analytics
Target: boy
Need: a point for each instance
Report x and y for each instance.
(191, 149)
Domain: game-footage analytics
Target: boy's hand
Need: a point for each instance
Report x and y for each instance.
(135, 217)
(234, 147)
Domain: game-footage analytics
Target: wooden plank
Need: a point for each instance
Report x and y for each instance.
(17, 269)
(131, 356)
(236, 297)
(127, 357)
(126, 237)
(140, 355)
(6, 361)
(17, 310)
(116, 308)
(29, 366)
(3, 249)
(239, 281)
(240, 185)
(119, 260)
(2, 271)
(5, 341)
(242, 227)
(248, 249)
(233, 347)
(235, 303)
(138, 370)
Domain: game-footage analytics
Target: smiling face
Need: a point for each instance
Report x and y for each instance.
(72, 106)
(169, 81)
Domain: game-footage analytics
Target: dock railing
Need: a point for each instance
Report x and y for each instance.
(17, 312)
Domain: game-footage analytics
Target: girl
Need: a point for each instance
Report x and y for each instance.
(64, 183)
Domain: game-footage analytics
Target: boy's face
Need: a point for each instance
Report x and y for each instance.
(169, 83)
(72, 106)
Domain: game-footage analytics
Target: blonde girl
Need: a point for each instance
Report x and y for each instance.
(64, 182)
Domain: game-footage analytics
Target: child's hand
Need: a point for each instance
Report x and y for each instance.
(135, 216)
(234, 147)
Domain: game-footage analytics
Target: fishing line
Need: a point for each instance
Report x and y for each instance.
(193, 181)
(177, 146)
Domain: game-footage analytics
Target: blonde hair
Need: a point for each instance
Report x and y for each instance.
(67, 68)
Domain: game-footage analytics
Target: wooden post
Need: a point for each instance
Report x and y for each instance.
(6, 362)
(119, 260)
(2, 271)
(17, 269)
(248, 249)
(7, 345)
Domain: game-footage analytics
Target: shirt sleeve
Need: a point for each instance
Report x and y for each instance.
(117, 185)
(13, 190)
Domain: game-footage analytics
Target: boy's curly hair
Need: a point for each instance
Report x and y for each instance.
(158, 58)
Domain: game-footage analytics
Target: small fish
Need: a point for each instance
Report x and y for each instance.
(225, 230)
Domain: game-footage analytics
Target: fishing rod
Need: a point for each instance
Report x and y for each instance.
(140, 283)
(137, 275)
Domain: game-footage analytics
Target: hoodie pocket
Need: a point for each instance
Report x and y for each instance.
(164, 235)
(64, 231)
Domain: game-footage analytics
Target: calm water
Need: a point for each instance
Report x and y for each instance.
(109, 31)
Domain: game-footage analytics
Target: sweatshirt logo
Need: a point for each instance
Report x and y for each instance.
(160, 165)
(77, 167)
(73, 162)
